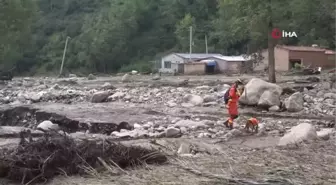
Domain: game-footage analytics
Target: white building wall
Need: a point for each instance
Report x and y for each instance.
(174, 59)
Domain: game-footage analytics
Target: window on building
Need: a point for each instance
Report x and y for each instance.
(167, 64)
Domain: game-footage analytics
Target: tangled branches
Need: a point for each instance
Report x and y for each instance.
(50, 156)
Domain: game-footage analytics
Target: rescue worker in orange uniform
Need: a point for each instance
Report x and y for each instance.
(231, 98)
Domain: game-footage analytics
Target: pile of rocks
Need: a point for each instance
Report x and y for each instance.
(318, 101)
(305, 132)
(169, 96)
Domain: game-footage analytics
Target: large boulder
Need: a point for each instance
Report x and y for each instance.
(299, 133)
(255, 88)
(193, 99)
(99, 97)
(295, 102)
(269, 99)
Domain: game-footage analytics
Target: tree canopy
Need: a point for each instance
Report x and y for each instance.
(112, 35)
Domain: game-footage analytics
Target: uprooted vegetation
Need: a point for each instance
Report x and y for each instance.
(41, 160)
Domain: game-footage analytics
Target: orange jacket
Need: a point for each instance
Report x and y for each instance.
(233, 94)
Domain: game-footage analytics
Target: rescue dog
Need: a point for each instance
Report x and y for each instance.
(251, 125)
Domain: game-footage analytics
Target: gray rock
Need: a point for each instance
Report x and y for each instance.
(171, 103)
(274, 108)
(117, 95)
(56, 87)
(148, 125)
(126, 78)
(255, 88)
(108, 86)
(330, 95)
(308, 98)
(209, 98)
(156, 77)
(203, 87)
(72, 76)
(325, 133)
(137, 126)
(299, 133)
(184, 149)
(204, 135)
(91, 77)
(193, 99)
(295, 102)
(172, 132)
(48, 126)
(320, 93)
(269, 98)
(134, 72)
(190, 124)
(35, 97)
(121, 134)
(184, 130)
(99, 97)
(210, 104)
(329, 101)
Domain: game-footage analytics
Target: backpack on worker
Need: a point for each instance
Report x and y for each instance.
(226, 96)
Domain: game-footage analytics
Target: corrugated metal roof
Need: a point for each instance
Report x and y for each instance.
(198, 55)
(234, 58)
(301, 48)
(209, 62)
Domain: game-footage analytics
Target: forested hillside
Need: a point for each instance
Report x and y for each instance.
(112, 35)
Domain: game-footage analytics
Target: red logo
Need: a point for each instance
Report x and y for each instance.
(276, 33)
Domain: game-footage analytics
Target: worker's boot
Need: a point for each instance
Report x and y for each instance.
(226, 123)
(231, 126)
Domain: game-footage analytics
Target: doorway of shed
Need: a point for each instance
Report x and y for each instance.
(210, 69)
(294, 62)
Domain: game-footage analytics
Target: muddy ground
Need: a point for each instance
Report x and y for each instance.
(157, 105)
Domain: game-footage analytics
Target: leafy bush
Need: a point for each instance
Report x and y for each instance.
(297, 66)
(143, 67)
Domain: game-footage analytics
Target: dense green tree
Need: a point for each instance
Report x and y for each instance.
(15, 30)
(113, 35)
(183, 32)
